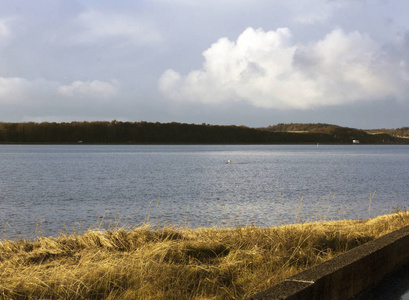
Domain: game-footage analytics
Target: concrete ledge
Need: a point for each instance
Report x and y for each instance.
(348, 274)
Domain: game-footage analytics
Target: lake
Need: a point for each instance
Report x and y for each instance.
(53, 189)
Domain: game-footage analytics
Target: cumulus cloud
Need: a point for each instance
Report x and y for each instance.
(269, 70)
(98, 26)
(13, 89)
(4, 28)
(16, 90)
(90, 89)
(5, 31)
(311, 14)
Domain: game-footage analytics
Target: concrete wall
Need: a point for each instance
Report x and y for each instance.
(348, 274)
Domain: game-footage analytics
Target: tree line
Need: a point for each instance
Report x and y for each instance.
(286, 127)
(117, 132)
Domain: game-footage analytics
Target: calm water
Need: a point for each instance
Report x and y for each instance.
(58, 188)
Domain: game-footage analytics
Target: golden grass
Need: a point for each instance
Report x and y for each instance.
(172, 263)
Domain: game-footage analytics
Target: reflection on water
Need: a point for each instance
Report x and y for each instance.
(77, 186)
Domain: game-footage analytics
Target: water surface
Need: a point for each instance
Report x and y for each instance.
(64, 187)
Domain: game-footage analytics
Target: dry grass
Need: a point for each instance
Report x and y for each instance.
(172, 263)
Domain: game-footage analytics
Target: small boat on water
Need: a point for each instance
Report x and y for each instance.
(229, 162)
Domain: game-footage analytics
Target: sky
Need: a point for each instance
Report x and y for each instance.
(222, 62)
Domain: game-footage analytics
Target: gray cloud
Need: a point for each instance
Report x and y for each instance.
(103, 59)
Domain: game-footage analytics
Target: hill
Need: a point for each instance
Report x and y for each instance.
(398, 132)
(296, 127)
(345, 134)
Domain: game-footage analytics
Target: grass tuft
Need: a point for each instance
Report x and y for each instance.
(175, 263)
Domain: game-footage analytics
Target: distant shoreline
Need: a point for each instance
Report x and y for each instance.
(190, 144)
(145, 133)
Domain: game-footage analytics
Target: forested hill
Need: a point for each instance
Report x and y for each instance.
(399, 132)
(176, 133)
(288, 127)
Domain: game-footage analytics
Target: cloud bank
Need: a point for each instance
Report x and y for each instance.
(268, 70)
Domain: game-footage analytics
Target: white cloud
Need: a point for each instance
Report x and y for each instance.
(310, 13)
(6, 31)
(266, 69)
(90, 89)
(21, 91)
(13, 90)
(98, 26)
(16, 90)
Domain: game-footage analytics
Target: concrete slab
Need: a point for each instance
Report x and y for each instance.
(348, 274)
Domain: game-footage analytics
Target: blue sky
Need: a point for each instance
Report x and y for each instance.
(241, 62)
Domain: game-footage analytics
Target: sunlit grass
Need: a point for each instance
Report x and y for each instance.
(175, 263)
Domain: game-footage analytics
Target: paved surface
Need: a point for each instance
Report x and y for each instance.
(393, 287)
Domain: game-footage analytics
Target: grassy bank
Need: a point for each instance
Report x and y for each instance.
(175, 263)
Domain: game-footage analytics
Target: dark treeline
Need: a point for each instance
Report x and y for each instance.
(167, 133)
(296, 127)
